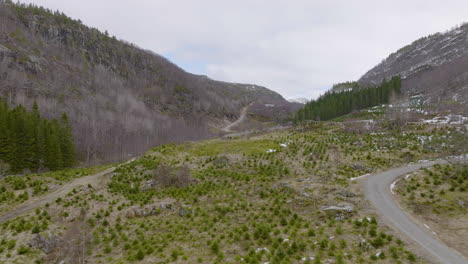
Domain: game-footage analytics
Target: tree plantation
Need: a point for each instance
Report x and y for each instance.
(28, 141)
(334, 104)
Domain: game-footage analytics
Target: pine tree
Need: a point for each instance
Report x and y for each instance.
(67, 146)
(39, 140)
(53, 158)
(19, 140)
(5, 145)
(29, 142)
(333, 104)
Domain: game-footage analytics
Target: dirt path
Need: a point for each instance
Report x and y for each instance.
(377, 189)
(39, 201)
(238, 121)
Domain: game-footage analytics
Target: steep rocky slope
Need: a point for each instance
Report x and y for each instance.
(433, 67)
(121, 99)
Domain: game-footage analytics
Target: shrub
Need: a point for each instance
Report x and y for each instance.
(140, 255)
(166, 176)
(23, 250)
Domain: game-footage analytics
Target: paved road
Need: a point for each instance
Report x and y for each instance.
(238, 121)
(39, 201)
(377, 189)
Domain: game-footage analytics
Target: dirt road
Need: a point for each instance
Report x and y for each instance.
(39, 201)
(238, 121)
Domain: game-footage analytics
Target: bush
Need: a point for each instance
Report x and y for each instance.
(165, 176)
(411, 257)
(140, 255)
(36, 229)
(23, 250)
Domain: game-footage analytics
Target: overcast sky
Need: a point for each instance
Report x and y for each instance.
(298, 48)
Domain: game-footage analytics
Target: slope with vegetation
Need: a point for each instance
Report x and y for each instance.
(283, 197)
(334, 103)
(121, 99)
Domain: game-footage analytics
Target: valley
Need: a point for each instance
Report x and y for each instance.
(279, 197)
(111, 153)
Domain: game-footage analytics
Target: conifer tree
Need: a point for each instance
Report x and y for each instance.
(28, 141)
(333, 104)
(67, 146)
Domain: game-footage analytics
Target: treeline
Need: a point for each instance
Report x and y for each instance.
(345, 85)
(28, 141)
(333, 104)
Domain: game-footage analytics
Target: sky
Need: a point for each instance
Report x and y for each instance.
(298, 48)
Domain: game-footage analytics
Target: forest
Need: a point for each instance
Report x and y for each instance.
(30, 142)
(333, 104)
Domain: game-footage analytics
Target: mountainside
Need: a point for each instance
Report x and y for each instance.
(434, 67)
(120, 99)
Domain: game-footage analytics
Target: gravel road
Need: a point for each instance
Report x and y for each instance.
(377, 190)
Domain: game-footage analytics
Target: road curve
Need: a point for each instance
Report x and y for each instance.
(238, 121)
(377, 191)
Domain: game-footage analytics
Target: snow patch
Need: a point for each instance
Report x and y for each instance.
(448, 119)
(392, 186)
(355, 178)
(409, 175)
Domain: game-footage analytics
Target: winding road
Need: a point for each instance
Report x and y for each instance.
(42, 200)
(377, 191)
(238, 121)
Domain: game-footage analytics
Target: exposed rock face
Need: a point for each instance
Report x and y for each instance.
(423, 54)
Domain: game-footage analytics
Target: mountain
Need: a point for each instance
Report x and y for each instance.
(434, 68)
(120, 99)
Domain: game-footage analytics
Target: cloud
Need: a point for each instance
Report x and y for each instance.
(298, 48)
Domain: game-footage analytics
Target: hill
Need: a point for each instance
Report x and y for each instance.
(434, 68)
(121, 99)
(434, 81)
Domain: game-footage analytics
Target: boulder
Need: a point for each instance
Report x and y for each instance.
(345, 208)
(143, 212)
(345, 194)
(184, 211)
(340, 212)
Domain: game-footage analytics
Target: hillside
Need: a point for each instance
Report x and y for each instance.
(283, 197)
(434, 68)
(120, 99)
